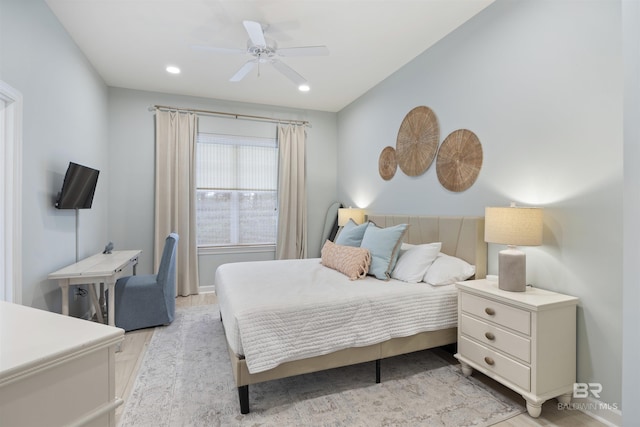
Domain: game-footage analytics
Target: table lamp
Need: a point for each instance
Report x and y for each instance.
(345, 214)
(513, 226)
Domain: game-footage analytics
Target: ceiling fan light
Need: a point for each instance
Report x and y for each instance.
(304, 87)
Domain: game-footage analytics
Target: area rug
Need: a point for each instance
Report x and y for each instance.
(185, 379)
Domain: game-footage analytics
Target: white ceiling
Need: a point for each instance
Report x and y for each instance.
(130, 43)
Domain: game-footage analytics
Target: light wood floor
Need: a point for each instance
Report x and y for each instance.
(135, 344)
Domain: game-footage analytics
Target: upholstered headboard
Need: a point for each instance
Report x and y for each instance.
(461, 236)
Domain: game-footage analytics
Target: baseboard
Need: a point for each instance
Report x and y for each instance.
(607, 413)
(206, 289)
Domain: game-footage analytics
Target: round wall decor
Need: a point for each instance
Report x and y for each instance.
(417, 141)
(387, 164)
(459, 160)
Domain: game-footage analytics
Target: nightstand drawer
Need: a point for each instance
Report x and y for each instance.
(506, 368)
(502, 314)
(496, 337)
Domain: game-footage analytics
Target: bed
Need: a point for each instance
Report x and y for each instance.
(330, 321)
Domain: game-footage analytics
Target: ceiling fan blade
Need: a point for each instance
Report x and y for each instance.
(225, 50)
(289, 72)
(243, 71)
(255, 32)
(304, 51)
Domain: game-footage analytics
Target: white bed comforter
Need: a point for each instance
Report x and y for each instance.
(279, 311)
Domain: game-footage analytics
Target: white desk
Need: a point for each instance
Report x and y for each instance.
(99, 268)
(56, 370)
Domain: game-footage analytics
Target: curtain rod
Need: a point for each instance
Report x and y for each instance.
(232, 115)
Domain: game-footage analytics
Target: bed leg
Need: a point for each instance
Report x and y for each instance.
(378, 371)
(243, 394)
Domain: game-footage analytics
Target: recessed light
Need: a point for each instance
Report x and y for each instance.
(173, 70)
(304, 87)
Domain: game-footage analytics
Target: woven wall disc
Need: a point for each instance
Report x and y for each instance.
(387, 164)
(459, 160)
(417, 141)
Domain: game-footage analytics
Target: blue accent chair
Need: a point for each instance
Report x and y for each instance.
(144, 301)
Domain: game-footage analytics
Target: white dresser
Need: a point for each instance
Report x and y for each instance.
(524, 340)
(55, 370)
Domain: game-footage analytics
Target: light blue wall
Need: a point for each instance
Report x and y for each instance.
(64, 119)
(540, 83)
(631, 290)
(131, 153)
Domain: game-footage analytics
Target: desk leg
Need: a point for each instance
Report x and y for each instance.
(64, 286)
(96, 303)
(101, 296)
(112, 303)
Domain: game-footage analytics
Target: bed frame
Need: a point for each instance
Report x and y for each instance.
(462, 237)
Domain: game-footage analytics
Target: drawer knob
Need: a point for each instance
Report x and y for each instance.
(489, 361)
(490, 336)
(490, 311)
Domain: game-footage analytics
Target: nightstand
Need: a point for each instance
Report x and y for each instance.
(524, 340)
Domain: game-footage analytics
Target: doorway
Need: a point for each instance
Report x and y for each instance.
(10, 194)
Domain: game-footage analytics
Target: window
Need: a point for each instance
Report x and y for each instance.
(237, 199)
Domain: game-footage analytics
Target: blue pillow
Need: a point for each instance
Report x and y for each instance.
(384, 245)
(351, 234)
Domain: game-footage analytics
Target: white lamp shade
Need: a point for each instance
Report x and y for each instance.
(515, 226)
(344, 214)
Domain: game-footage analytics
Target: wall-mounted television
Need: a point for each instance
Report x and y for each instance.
(78, 187)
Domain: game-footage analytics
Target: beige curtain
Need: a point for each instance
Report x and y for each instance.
(292, 193)
(175, 207)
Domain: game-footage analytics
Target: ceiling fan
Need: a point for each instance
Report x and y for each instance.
(265, 51)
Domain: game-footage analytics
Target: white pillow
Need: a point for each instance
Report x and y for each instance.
(447, 269)
(414, 260)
